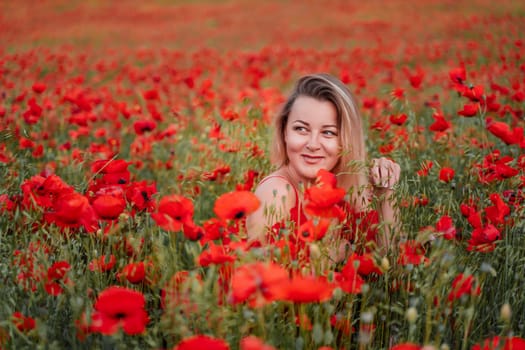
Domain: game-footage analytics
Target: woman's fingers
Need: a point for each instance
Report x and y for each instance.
(384, 173)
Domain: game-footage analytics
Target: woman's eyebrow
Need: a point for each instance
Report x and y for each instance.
(305, 123)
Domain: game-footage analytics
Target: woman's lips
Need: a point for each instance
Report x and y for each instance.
(312, 159)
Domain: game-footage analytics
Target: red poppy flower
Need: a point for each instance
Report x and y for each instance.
(509, 343)
(313, 230)
(173, 212)
(23, 323)
(367, 264)
(398, 119)
(143, 126)
(349, 280)
(202, 342)
(440, 123)
(498, 211)
(114, 171)
(251, 342)
(109, 206)
(118, 307)
(215, 254)
(102, 264)
(425, 168)
(140, 194)
(236, 205)
(473, 93)
(463, 285)
(469, 110)
(406, 346)
(458, 75)
(415, 78)
(323, 198)
(310, 289)
(39, 87)
(56, 275)
(504, 132)
(258, 282)
(134, 272)
(483, 238)
(72, 210)
(411, 252)
(446, 226)
(446, 174)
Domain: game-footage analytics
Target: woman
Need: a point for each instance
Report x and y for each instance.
(320, 127)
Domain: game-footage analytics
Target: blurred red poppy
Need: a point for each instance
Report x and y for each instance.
(72, 210)
(446, 226)
(236, 205)
(257, 283)
(202, 342)
(309, 289)
(119, 307)
(313, 230)
(463, 285)
(215, 254)
(22, 322)
(323, 198)
(102, 264)
(251, 342)
(446, 174)
(173, 212)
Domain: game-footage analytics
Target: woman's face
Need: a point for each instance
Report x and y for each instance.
(312, 137)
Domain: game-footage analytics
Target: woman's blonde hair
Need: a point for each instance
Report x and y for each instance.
(325, 87)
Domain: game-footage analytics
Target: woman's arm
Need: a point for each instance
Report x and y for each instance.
(384, 174)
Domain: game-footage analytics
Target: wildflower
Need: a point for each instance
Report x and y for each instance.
(446, 174)
(109, 202)
(118, 307)
(323, 198)
(398, 119)
(411, 252)
(425, 168)
(113, 171)
(469, 110)
(56, 274)
(202, 342)
(440, 123)
(504, 132)
(309, 289)
(102, 264)
(251, 342)
(312, 230)
(463, 285)
(173, 212)
(446, 227)
(215, 254)
(508, 343)
(72, 210)
(134, 272)
(483, 238)
(22, 322)
(349, 280)
(415, 78)
(236, 205)
(257, 283)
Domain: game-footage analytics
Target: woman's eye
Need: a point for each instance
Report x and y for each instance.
(299, 128)
(330, 133)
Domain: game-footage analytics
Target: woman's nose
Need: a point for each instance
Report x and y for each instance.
(313, 142)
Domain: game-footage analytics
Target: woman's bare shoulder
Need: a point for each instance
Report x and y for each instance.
(275, 187)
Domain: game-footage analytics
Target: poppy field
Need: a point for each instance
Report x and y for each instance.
(132, 136)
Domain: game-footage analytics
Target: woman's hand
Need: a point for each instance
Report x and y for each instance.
(384, 173)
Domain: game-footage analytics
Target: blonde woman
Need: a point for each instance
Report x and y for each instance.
(319, 127)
